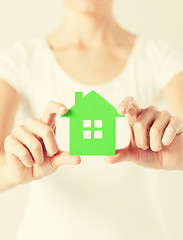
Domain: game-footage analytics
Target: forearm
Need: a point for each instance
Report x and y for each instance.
(5, 183)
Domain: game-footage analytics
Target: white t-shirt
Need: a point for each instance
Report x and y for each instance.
(93, 200)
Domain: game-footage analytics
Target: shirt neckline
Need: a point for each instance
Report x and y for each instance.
(74, 82)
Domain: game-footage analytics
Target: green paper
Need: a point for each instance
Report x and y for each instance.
(92, 125)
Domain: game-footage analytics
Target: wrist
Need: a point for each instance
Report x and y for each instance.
(5, 182)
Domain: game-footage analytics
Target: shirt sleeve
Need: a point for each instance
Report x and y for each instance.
(11, 65)
(171, 62)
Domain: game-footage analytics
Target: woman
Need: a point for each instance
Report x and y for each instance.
(91, 200)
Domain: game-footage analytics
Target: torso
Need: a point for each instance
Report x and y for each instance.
(113, 197)
(94, 65)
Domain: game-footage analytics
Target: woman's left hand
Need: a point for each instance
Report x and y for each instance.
(156, 138)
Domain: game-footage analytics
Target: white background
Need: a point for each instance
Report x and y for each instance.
(24, 19)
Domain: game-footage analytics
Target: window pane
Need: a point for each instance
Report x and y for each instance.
(87, 134)
(86, 123)
(98, 123)
(98, 134)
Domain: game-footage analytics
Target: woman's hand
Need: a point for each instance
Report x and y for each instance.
(156, 138)
(32, 151)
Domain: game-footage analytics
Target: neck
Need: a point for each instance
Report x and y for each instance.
(87, 29)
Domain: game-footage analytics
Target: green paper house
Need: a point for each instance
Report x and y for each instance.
(92, 125)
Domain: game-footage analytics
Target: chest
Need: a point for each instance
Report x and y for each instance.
(92, 66)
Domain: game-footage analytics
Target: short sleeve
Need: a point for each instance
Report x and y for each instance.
(171, 62)
(11, 65)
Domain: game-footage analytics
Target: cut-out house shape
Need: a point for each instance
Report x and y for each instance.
(92, 125)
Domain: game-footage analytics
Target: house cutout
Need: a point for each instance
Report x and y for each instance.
(92, 125)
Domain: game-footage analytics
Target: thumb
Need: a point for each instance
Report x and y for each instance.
(63, 158)
(145, 158)
(51, 164)
(124, 154)
(51, 110)
(129, 153)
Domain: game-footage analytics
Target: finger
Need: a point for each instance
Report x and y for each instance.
(63, 158)
(124, 154)
(52, 108)
(141, 127)
(137, 156)
(157, 130)
(174, 127)
(44, 131)
(31, 142)
(13, 146)
(129, 105)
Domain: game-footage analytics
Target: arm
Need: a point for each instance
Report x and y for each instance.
(9, 100)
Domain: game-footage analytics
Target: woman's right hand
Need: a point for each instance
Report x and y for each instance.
(32, 151)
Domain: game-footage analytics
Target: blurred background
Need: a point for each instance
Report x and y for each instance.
(21, 20)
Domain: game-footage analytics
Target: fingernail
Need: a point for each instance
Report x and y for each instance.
(30, 165)
(50, 155)
(108, 159)
(40, 163)
(62, 109)
(145, 148)
(121, 110)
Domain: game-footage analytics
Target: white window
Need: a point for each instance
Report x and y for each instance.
(98, 123)
(87, 134)
(92, 129)
(98, 134)
(87, 123)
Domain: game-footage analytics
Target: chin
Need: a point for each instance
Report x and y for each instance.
(88, 6)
